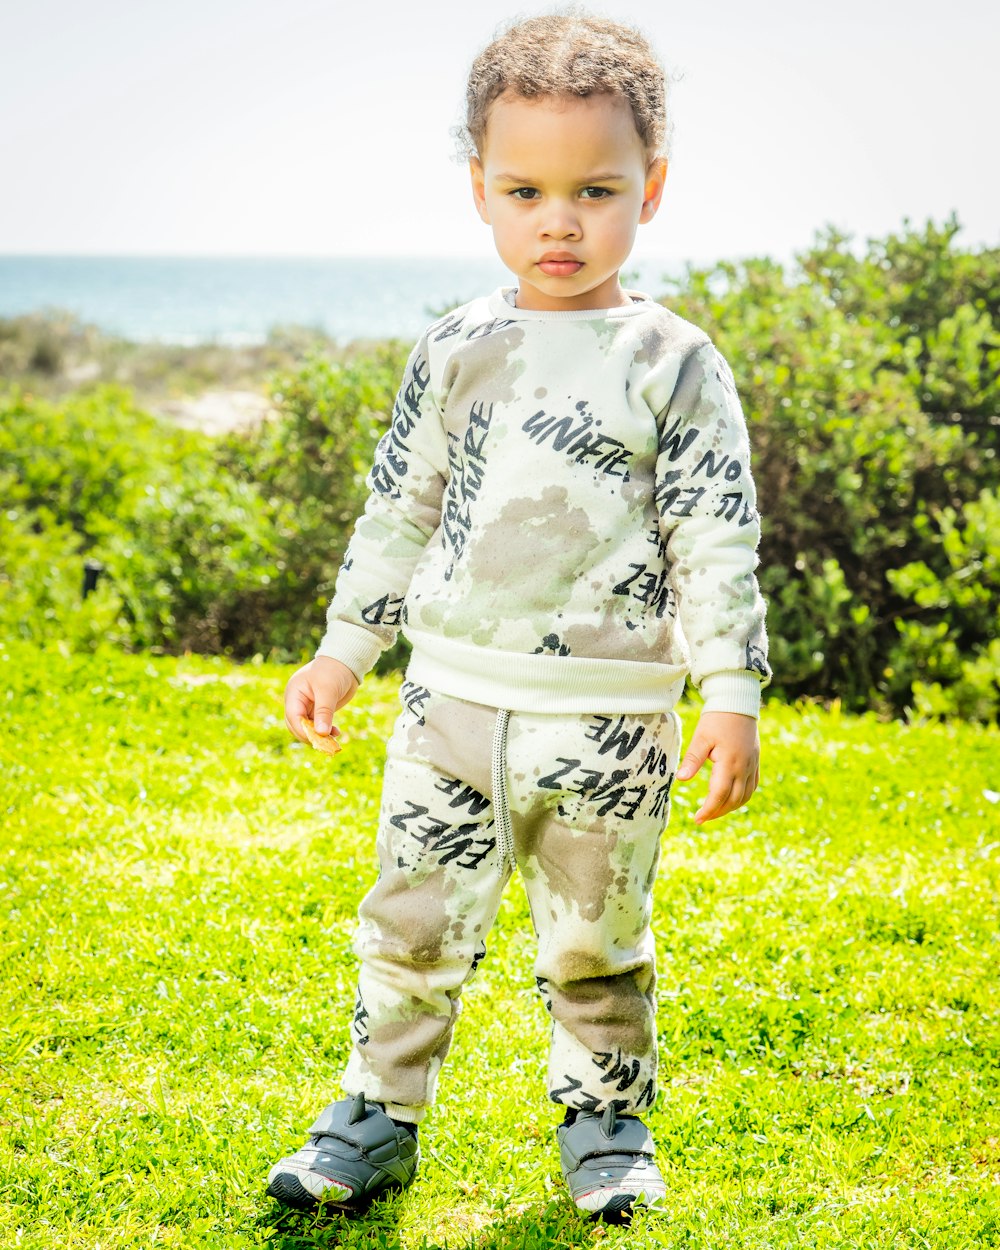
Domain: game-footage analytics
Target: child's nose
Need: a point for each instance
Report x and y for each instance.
(560, 222)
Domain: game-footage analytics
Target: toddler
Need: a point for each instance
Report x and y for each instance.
(562, 520)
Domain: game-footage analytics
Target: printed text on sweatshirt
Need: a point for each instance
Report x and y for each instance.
(561, 517)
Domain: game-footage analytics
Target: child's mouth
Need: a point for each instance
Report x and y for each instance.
(562, 267)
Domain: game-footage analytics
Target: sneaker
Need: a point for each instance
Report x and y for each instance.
(608, 1164)
(354, 1153)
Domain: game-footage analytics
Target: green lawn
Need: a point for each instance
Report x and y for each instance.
(179, 883)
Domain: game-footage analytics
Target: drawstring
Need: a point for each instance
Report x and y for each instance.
(501, 806)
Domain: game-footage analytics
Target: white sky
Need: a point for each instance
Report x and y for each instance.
(291, 127)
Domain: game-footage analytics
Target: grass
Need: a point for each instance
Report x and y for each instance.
(179, 884)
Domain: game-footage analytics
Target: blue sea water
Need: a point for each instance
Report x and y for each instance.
(239, 299)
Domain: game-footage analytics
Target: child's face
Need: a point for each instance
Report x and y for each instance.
(564, 183)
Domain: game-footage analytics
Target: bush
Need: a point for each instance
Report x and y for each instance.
(871, 383)
(181, 539)
(310, 464)
(41, 574)
(85, 462)
(195, 552)
(948, 653)
(225, 545)
(873, 407)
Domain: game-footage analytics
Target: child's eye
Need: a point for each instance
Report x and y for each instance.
(524, 193)
(596, 193)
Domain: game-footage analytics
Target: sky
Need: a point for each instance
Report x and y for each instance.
(291, 127)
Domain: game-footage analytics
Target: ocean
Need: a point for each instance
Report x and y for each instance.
(237, 300)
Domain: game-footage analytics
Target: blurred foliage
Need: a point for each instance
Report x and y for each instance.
(41, 574)
(871, 382)
(54, 354)
(871, 385)
(310, 464)
(182, 541)
(215, 545)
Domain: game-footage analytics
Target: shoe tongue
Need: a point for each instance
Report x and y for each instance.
(608, 1120)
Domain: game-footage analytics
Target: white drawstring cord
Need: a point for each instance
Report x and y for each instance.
(501, 806)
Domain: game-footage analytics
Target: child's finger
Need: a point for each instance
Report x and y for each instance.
(724, 794)
(739, 794)
(298, 696)
(297, 704)
(694, 757)
(294, 729)
(744, 798)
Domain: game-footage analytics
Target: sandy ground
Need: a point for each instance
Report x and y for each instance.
(216, 412)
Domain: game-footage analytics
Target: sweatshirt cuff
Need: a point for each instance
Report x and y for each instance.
(732, 692)
(352, 645)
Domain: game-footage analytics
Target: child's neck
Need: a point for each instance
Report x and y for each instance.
(616, 298)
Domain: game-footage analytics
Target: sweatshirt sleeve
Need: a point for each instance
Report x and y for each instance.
(406, 484)
(706, 503)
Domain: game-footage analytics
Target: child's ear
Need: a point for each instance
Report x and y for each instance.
(479, 188)
(656, 176)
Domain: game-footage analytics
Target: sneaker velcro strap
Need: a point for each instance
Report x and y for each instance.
(586, 1140)
(367, 1132)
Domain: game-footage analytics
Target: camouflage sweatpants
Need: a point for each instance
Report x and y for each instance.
(579, 802)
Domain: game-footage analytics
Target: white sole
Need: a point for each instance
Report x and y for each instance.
(321, 1187)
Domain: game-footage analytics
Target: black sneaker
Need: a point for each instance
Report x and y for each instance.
(608, 1163)
(354, 1153)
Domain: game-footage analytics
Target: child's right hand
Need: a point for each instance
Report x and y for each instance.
(318, 690)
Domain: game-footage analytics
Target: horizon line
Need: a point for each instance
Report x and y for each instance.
(310, 256)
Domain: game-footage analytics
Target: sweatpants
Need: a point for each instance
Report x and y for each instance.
(577, 804)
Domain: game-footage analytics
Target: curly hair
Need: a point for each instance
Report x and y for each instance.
(568, 53)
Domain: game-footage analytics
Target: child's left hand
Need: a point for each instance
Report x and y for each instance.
(732, 743)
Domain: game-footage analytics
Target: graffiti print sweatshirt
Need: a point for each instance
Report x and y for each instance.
(561, 517)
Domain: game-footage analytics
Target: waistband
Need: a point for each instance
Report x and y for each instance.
(541, 683)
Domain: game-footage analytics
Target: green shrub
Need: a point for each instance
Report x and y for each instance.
(937, 304)
(310, 463)
(41, 577)
(195, 550)
(180, 538)
(871, 383)
(87, 461)
(873, 406)
(948, 651)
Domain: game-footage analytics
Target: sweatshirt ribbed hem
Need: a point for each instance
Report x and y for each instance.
(541, 683)
(732, 692)
(352, 645)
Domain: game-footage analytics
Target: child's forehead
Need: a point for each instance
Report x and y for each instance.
(561, 127)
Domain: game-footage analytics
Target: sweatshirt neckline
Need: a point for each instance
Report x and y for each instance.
(502, 305)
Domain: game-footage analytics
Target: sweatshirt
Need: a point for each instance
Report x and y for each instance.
(561, 517)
